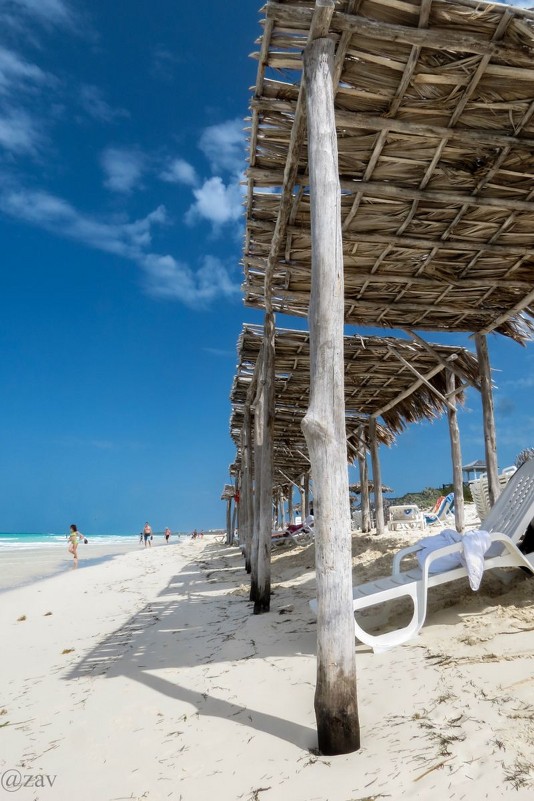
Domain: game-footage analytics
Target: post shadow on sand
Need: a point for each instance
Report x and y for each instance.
(158, 637)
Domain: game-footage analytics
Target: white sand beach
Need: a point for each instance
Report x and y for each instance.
(146, 676)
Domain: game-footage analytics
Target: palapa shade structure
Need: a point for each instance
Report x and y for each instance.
(434, 112)
(380, 375)
(392, 186)
(292, 390)
(381, 380)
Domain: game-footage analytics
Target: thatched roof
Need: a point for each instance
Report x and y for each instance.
(381, 379)
(434, 108)
(228, 492)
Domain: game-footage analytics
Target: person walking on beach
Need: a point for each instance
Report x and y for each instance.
(147, 535)
(167, 533)
(75, 537)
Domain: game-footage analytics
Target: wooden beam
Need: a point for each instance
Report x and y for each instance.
(396, 192)
(422, 378)
(319, 25)
(359, 277)
(431, 38)
(449, 365)
(409, 391)
(502, 318)
(359, 120)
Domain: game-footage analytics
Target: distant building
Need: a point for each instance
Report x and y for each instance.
(477, 468)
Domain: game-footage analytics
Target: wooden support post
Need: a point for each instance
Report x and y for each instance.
(262, 600)
(248, 488)
(490, 439)
(306, 507)
(290, 504)
(258, 449)
(235, 521)
(336, 706)
(364, 484)
(228, 521)
(456, 454)
(282, 508)
(238, 507)
(377, 478)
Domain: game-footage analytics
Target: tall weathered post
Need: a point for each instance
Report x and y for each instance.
(364, 484)
(262, 598)
(228, 521)
(456, 453)
(248, 488)
(490, 437)
(336, 706)
(377, 477)
(258, 450)
(290, 504)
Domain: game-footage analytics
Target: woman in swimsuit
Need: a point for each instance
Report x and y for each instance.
(75, 537)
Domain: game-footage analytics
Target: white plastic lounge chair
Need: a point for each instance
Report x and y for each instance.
(444, 513)
(406, 516)
(480, 491)
(506, 523)
(302, 536)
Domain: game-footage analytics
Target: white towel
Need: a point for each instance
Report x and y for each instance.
(475, 543)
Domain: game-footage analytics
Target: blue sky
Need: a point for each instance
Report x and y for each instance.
(121, 222)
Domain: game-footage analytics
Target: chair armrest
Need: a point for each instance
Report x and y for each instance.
(399, 556)
(457, 547)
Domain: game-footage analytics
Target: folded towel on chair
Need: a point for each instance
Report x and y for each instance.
(475, 544)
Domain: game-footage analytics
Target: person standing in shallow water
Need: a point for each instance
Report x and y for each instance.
(167, 533)
(75, 537)
(147, 535)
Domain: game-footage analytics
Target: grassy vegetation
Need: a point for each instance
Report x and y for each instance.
(428, 496)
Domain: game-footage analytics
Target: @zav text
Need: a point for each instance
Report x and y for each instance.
(12, 780)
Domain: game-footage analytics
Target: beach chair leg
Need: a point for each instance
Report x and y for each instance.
(383, 642)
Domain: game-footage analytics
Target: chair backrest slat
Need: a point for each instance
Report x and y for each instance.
(514, 508)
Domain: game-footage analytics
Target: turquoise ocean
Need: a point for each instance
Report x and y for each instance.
(26, 540)
(26, 557)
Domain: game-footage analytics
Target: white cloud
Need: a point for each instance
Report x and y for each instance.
(165, 277)
(58, 216)
(19, 133)
(168, 278)
(164, 63)
(217, 202)
(179, 171)
(93, 103)
(219, 199)
(56, 12)
(16, 73)
(224, 146)
(123, 168)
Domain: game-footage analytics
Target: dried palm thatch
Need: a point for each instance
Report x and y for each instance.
(228, 492)
(398, 380)
(434, 104)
